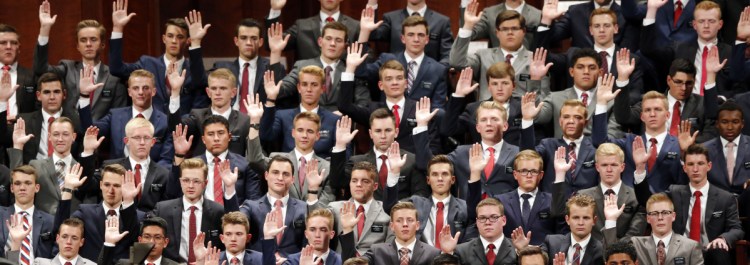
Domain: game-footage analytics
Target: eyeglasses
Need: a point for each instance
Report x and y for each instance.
(191, 181)
(492, 218)
(658, 213)
(526, 172)
(681, 82)
(504, 29)
(150, 238)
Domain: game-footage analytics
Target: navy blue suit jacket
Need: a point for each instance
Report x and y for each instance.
(277, 123)
(441, 37)
(247, 186)
(585, 174)
(189, 98)
(293, 239)
(575, 24)
(541, 221)
(667, 169)
(667, 31)
(718, 175)
(593, 255)
(269, 248)
(251, 257)
(112, 126)
(42, 234)
(431, 80)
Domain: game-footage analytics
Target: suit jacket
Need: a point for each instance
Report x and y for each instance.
(583, 176)
(114, 93)
(575, 25)
(632, 222)
(95, 217)
(667, 169)
(473, 252)
(189, 98)
(293, 239)
(458, 217)
(251, 257)
(361, 115)
(105, 258)
(154, 184)
(42, 236)
(667, 31)
(561, 243)
(239, 126)
(6, 197)
(269, 248)
(34, 122)
(743, 99)
(171, 210)
(49, 192)
(486, 26)
(247, 186)
(500, 180)
(718, 175)
(112, 126)
(304, 34)
(330, 99)
(483, 59)
(680, 247)
(374, 231)
(386, 253)
(439, 27)
(13, 255)
(550, 112)
(277, 123)
(263, 64)
(26, 92)
(541, 220)
(411, 181)
(460, 119)
(431, 79)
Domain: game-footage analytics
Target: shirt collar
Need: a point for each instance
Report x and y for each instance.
(144, 163)
(45, 115)
(240, 256)
(401, 102)
(366, 205)
(666, 239)
(671, 100)
(418, 59)
(410, 246)
(605, 6)
(498, 146)
(615, 188)
(533, 192)
(106, 209)
(63, 260)
(736, 141)
(146, 113)
(333, 64)
(497, 242)
(659, 137)
(703, 190)
(579, 92)
(13, 67)
(710, 44)
(178, 64)
(314, 110)
(224, 114)
(186, 204)
(155, 262)
(284, 200)
(253, 63)
(308, 157)
(210, 157)
(577, 141)
(324, 16)
(445, 201)
(583, 243)
(514, 53)
(19, 210)
(421, 11)
(610, 51)
(67, 159)
(518, 9)
(323, 256)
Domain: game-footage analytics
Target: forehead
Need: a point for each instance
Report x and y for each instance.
(222, 82)
(572, 110)
(305, 124)
(111, 177)
(510, 23)
(251, 31)
(88, 32)
(51, 85)
(404, 213)
(440, 167)
(140, 81)
(318, 221)
(707, 14)
(608, 159)
(61, 126)
(653, 103)
(695, 158)
(391, 73)
(601, 19)
(153, 229)
(619, 258)
(384, 123)
(192, 172)
(682, 76)
(730, 114)
(216, 127)
(310, 78)
(71, 230)
(501, 79)
(415, 29)
(659, 206)
(175, 30)
(576, 210)
(143, 130)
(360, 174)
(488, 113)
(529, 163)
(488, 210)
(587, 61)
(234, 228)
(334, 33)
(22, 176)
(280, 166)
(8, 36)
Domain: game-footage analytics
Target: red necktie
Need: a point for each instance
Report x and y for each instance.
(277, 206)
(677, 12)
(218, 191)
(137, 176)
(140, 115)
(695, 218)
(383, 172)
(50, 150)
(302, 172)
(585, 99)
(244, 88)
(491, 254)
(488, 168)
(675, 123)
(329, 19)
(605, 65)
(395, 114)
(507, 58)
(192, 232)
(577, 255)
(438, 223)
(361, 222)
(652, 154)
(235, 261)
(704, 56)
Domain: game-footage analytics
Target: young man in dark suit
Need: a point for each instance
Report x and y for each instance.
(90, 34)
(153, 231)
(574, 24)
(673, 20)
(704, 213)
(730, 170)
(22, 100)
(404, 249)
(70, 238)
(235, 235)
(318, 232)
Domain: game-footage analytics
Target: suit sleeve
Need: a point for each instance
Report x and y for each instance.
(116, 65)
(197, 73)
(359, 114)
(289, 83)
(460, 57)
(348, 249)
(252, 184)
(105, 256)
(541, 40)
(41, 62)
(361, 93)
(270, 125)
(732, 223)
(422, 151)
(737, 64)
(268, 246)
(129, 221)
(626, 110)
(441, 90)
(451, 124)
(660, 55)
(632, 11)
(559, 197)
(174, 189)
(484, 28)
(446, 39)
(337, 179)
(561, 29)
(546, 113)
(167, 151)
(383, 32)
(91, 185)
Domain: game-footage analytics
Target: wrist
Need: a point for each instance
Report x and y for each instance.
(468, 26)
(545, 22)
(118, 29)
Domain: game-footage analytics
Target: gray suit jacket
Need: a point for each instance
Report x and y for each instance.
(483, 59)
(113, 94)
(13, 255)
(680, 247)
(48, 196)
(305, 32)
(486, 26)
(473, 252)
(553, 103)
(375, 230)
(328, 99)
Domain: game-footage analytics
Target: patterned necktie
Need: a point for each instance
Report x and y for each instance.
(652, 153)
(6, 78)
(302, 172)
(572, 156)
(677, 12)
(60, 173)
(192, 232)
(235, 261)
(404, 256)
(50, 150)
(329, 19)
(411, 76)
(704, 56)
(383, 172)
(277, 206)
(244, 87)
(329, 83)
(695, 218)
(661, 253)
(730, 161)
(491, 254)
(218, 189)
(526, 208)
(605, 65)
(508, 57)
(577, 255)
(675, 123)
(439, 223)
(361, 222)
(585, 99)
(396, 115)
(27, 252)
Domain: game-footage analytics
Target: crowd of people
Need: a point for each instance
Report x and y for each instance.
(628, 147)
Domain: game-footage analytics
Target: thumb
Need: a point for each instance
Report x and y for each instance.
(458, 235)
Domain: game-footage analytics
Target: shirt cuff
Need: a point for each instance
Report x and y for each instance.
(126, 205)
(3, 106)
(648, 21)
(418, 129)
(347, 76)
(84, 102)
(610, 224)
(42, 40)
(84, 154)
(738, 42)
(336, 150)
(456, 95)
(193, 48)
(108, 244)
(526, 124)
(392, 179)
(541, 28)
(375, 6)
(639, 177)
(464, 33)
(174, 103)
(600, 109)
(708, 86)
(619, 83)
(465, 3)
(228, 196)
(274, 14)
(116, 35)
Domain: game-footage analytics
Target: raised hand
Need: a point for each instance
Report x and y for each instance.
(604, 92)
(684, 137)
(228, 176)
(611, 211)
(349, 217)
(743, 26)
(447, 242)
(464, 86)
(713, 61)
(176, 79)
(471, 15)
(640, 155)
(212, 257)
(20, 138)
(423, 114)
(355, 56)
(130, 189)
(477, 162)
(520, 240)
(367, 20)
(120, 16)
(270, 229)
(181, 142)
(313, 177)
(112, 233)
(538, 68)
(196, 28)
(90, 140)
(199, 249)
(306, 255)
(344, 133)
(277, 4)
(550, 12)
(625, 64)
(16, 232)
(73, 179)
(561, 163)
(45, 18)
(529, 108)
(86, 84)
(269, 84)
(6, 88)
(395, 159)
(276, 39)
(254, 107)
(559, 259)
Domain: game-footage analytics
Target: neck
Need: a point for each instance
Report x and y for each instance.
(309, 106)
(172, 58)
(51, 112)
(404, 243)
(699, 185)
(320, 253)
(91, 62)
(24, 206)
(235, 253)
(153, 258)
(612, 184)
(416, 6)
(63, 154)
(440, 196)
(710, 40)
(492, 239)
(140, 109)
(394, 100)
(414, 55)
(221, 109)
(70, 258)
(605, 46)
(193, 201)
(244, 58)
(490, 142)
(276, 195)
(662, 235)
(579, 239)
(138, 159)
(329, 12)
(513, 3)
(115, 206)
(303, 151)
(327, 60)
(498, 101)
(657, 131)
(364, 201)
(510, 49)
(571, 138)
(525, 190)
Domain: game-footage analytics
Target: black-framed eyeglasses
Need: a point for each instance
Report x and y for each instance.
(492, 218)
(526, 172)
(657, 213)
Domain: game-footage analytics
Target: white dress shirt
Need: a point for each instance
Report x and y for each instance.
(185, 226)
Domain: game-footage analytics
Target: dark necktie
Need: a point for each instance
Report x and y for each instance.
(609, 192)
(383, 172)
(415, 14)
(507, 58)
(244, 87)
(192, 232)
(526, 210)
(111, 212)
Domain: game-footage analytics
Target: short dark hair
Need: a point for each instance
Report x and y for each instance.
(622, 247)
(583, 53)
(49, 77)
(177, 22)
(73, 222)
(155, 221)
(510, 15)
(24, 169)
(731, 105)
(440, 159)
(280, 159)
(250, 23)
(683, 66)
(5, 28)
(532, 251)
(445, 259)
(215, 119)
(366, 166)
(382, 113)
(697, 149)
(413, 21)
(335, 25)
(356, 261)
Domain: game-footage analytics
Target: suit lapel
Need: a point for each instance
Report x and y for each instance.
(150, 175)
(740, 159)
(710, 205)
(514, 205)
(669, 142)
(418, 251)
(583, 153)
(37, 228)
(50, 166)
(99, 213)
(522, 59)
(674, 246)
(295, 190)
(370, 217)
(205, 218)
(721, 160)
(177, 218)
(101, 77)
(478, 249)
(503, 250)
(599, 197)
(161, 78)
(421, 72)
(501, 160)
(452, 212)
(541, 199)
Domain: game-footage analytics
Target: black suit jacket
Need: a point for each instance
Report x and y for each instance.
(473, 252)
(26, 92)
(575, 24)
(34, 122)
(441, 37)
(593, 255)
(234, 66)
(460, 119)
(239, 126)
(386, 253)
(154, 186)
(541, 220)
